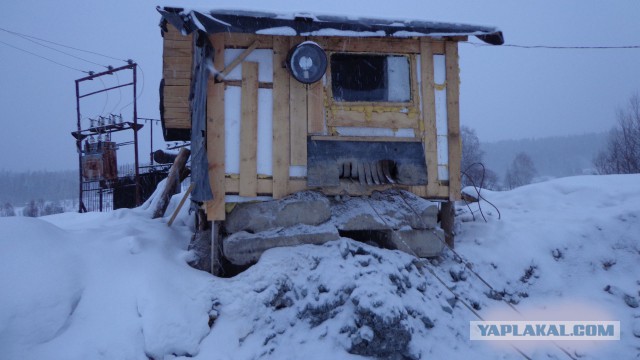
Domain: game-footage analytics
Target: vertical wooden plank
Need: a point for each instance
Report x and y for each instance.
(453, 120)
(429, 115)
(281, 138)
(298, 121)
(215, 136)
(249, 130)
(315, 108)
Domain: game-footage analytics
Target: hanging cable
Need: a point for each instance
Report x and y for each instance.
(60, 51)
(106, 101)
(43, 57)
(141, 88)
(119, 93)
(62, 45)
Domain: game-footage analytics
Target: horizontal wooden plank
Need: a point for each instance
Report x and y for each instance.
(171, 81)
(176, 112)
(177, 60)
(177, 51)
(265, 186)
(177, 123)
(393, 120)
(384, 45)
(174, 34)
(366, 138)
(177, 72)
(240, 40)
(177, 91)
(238, 83)
(437, 47)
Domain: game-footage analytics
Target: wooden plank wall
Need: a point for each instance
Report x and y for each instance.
(176, 71)
(299, 110)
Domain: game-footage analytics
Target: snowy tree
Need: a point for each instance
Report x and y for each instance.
(474, 173)
(7, 210)
(31, 210)
(520, 172)
(52, 208)
(622, 152)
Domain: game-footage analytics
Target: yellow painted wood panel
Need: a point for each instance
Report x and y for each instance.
(281, 140)
(216, 144)
(453, 119)
(249, 130)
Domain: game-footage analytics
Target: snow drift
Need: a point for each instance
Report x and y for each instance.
(117, 286)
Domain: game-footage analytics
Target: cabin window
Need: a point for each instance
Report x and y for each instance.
(371, 78)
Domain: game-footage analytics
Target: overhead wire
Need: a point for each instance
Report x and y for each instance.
(62, 45)
(44, 57)
(60, 51)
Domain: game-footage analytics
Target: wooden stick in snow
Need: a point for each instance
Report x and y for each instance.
(173, 182)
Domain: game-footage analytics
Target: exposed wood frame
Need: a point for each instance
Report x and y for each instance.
(280, 118)
(242, 40)
(315, 108)
(249, 130)
(238, 83)
(371, 45)
(453, 119)
(215, 136)
(429, 115)
(237, 61)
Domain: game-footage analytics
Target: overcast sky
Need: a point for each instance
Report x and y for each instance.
(506, 92)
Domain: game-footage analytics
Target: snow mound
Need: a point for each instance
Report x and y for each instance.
(341, 298)
(111, 286)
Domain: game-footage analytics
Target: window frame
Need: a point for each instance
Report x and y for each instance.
(377, 114)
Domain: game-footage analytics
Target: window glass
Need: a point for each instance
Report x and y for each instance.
(365, 77)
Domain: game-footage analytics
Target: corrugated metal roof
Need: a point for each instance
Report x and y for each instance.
(237, 21)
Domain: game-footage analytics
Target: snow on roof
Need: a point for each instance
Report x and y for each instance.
(305, 24)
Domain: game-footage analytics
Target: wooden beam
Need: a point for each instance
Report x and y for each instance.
(375, 45)
(215, 138)
(429, 115)
(281, 140)
(298, 122)
(242, 40)
(366, 138)
(249, 130)
(238, 83)
(373, 118)
(453, 118)
(237, 61)
(315, 108)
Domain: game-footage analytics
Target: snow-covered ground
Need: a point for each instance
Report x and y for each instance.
(117, 286)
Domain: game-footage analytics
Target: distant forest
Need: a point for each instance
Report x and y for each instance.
(552, 156)
(20, 188)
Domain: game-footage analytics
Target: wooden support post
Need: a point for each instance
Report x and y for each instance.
(215, 135)
(249, 130)
(237, 61)
(447, 221)
(429, 115)
(182, 201)
(281, 140)
(453, 120)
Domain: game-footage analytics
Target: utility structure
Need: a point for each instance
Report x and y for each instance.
(97, 160)
(278, 104)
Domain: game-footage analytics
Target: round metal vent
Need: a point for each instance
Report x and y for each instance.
(307, 62)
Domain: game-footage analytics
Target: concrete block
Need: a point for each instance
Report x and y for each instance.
(243, 248)
(422, 243)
